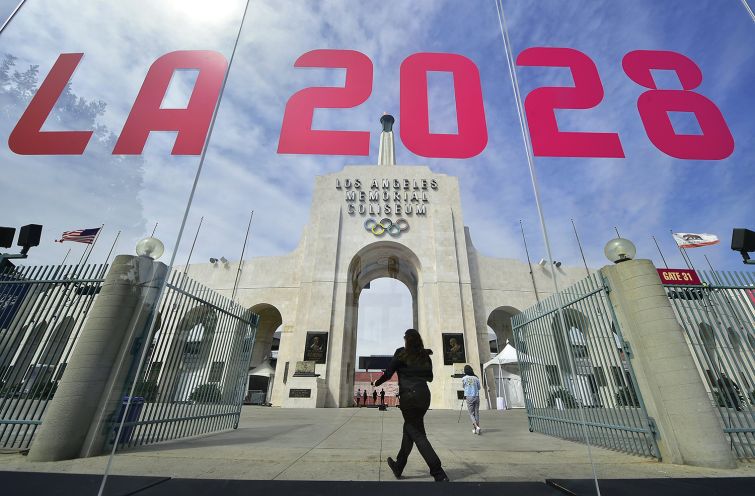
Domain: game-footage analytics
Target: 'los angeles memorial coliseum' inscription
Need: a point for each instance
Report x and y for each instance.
(387, 196)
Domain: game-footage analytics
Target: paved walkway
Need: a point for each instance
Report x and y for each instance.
(352, 444)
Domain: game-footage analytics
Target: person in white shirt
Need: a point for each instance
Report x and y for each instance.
(471, 385)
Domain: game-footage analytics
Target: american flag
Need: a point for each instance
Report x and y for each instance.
(80, 236)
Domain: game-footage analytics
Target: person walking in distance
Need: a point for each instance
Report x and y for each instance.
(374, 397)
(364, 397)
(359, 395)
(382, 396)
(415, 369)
(471, 385)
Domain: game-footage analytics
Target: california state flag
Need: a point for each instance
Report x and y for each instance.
(692, 240)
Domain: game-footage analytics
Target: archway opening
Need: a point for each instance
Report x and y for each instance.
(263, 365)
(382, 301)
(385, 311)
(503, 381)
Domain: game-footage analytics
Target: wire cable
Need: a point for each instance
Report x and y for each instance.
(536, 190)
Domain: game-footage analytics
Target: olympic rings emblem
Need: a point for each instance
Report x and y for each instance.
(386, 225)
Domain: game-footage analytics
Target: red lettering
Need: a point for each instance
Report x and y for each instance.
(715, 142)
(587, 92)
(27, 137)
(297, 135)
(193, 122)
(472, 136)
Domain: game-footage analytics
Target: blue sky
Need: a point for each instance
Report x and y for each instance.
(645, 194)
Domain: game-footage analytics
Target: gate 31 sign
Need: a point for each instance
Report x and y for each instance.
(297, 136)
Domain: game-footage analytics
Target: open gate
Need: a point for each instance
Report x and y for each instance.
(576, 374)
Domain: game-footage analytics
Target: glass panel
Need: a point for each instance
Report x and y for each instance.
(354, 142)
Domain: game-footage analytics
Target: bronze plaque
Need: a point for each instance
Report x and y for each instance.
(306, 367)
(316, 347)
(299, 393)
(453, 348)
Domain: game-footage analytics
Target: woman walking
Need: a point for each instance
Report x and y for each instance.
(415, 370)
(471, 385)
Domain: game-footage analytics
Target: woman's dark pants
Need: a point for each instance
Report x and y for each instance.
(414, 433)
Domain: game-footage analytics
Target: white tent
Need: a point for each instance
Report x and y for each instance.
(509, 355)
(509, 383)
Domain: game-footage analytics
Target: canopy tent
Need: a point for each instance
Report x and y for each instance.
(510, 357)
(507, 356)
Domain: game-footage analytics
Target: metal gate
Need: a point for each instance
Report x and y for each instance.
(42, 311)
(719, 321)
(576, 373)
(195, 372)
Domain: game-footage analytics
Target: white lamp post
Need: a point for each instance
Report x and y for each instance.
(150, 247)
(619, 250)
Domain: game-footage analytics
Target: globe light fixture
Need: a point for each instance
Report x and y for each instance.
(150, 247)
(619, 250)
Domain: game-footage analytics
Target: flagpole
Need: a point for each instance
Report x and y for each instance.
(529, 263)
(617, 231)
(681, 250)
(66, 257)
(91, 248)
(734, 313)
(153, 230)
(112, 247)
(579, 243)
(12, 15)
(243, 249)
(188, 260)
(660, 252)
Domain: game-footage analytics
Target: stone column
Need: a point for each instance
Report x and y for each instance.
(667, 376)
(77, 421)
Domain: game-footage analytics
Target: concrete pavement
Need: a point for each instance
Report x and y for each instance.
(352, 444)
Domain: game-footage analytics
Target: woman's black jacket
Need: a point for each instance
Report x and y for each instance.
(412, 378)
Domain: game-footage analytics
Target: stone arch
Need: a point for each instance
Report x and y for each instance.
(499, 321)
(262, 361)
(187, 357)
(375, 261)
(571, 337)
(270, 321)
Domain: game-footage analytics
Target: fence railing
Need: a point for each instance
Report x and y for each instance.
(576, 374)
(196, 368)
(719, 321)
(42, 312)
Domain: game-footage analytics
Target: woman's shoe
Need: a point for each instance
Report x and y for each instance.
(479, 431)
(441, 477)
(394, 467)
(474, 430)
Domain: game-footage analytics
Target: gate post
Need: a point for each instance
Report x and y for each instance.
(77, 420)
(689, 430)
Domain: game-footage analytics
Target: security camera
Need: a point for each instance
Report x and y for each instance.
(557, 264)
(542, 262)
(223, 259)
(213, 260)
(743, 241)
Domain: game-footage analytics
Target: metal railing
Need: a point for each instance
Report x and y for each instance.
(196, 368)
(42, 312)
(576, 374)
(719, 322)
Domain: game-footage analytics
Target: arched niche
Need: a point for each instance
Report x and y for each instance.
(499, 321)
(270, 321)
(374, 261)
